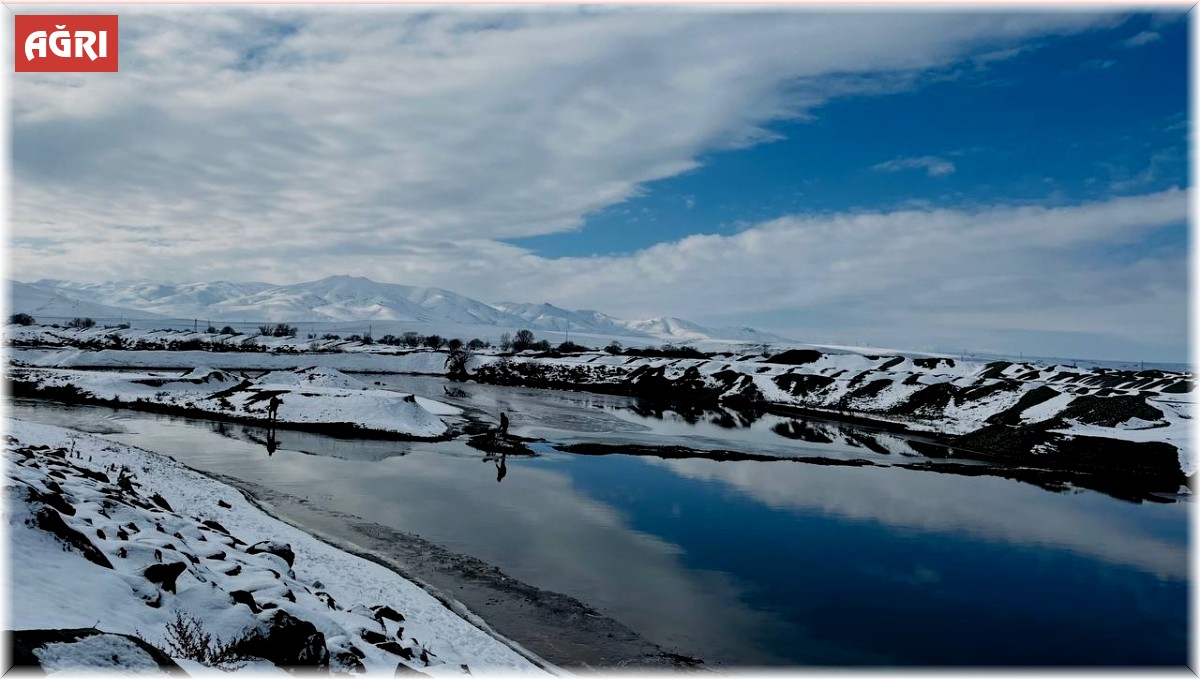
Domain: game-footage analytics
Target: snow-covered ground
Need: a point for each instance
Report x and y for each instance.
(145, 538)
(307, 396)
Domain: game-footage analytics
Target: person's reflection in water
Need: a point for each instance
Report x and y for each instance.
(271, 444)
(501, 468)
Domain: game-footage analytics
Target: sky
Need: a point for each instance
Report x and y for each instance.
(972, 181)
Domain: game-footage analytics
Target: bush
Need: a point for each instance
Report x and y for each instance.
(228, 330)
(435, 341)
(212, 330)
(21, 319)
(187, 638)
(330, 336)
(366, 339)
(571, 347)
(506, 341)
(540, 345)
(614, 347)
(476, 344)
(81, 323)
(413, 339)
(284, 330)
(454, 344)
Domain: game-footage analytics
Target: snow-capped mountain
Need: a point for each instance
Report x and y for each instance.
(350, 298)
(50, 306)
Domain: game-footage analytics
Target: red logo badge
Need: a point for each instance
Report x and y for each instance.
(74, 43)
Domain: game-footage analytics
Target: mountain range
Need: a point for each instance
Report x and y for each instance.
(338, 299)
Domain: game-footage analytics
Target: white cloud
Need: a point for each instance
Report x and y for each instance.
(1143, 38)
(933, 166)
(258, 135)
(283, 145)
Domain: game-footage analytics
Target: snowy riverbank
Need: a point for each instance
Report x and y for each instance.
(309, 397)
(113, 537)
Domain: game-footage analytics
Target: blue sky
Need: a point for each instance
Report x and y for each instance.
(982, 181)
(1065, 120)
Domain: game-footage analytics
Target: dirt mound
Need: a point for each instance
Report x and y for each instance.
(1110, 411)
(795, 357)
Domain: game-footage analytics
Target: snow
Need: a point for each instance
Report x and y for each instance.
(56, 587)
(304, 399)
(95, 652)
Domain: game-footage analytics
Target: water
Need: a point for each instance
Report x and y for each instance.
(741, 562)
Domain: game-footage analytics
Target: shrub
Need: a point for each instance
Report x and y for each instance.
(540, 345)
(506, 341)
(21, 319)
(284, 330)
(569, 347)
(614, 347)
(228, 330)
(413, 339)
(81, 323)
(454, 344)
(212, 330)
(330, 336)
(435, 341)
(476, 344)
(186, 638)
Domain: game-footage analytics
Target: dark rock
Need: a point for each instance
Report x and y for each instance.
(165, 574)
(51, 521)
(222, 503)
(234, 571)
(286, 641)
(161, 502)
(271, 547)
(387, 613)
(53, 499)
(372, 637)
(215, 526)
(393, 647)
(93, 475)
(241, 596)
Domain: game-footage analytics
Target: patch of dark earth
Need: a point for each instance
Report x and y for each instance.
(555, 627)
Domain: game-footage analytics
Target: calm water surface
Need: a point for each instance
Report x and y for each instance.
(740, 562)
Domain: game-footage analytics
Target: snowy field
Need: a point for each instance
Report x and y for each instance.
(121, 539)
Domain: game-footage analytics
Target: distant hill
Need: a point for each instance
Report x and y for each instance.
(340, 299)
(48, 306)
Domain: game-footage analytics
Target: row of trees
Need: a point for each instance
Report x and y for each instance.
(460, 352)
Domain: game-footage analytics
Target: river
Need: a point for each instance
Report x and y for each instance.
(736, 562)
